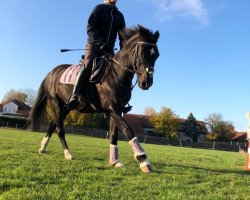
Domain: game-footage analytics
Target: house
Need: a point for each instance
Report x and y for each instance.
(141, 125)
(16, 108)
(239, 137)
(1, 108)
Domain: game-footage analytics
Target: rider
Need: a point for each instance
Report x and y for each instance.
(104, 23)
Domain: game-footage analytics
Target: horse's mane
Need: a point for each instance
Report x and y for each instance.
(139, 30)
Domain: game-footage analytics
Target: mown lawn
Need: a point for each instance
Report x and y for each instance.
(180, 173)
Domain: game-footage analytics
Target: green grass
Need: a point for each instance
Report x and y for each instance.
(179, 173)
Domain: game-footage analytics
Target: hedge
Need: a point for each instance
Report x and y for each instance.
(13, 121)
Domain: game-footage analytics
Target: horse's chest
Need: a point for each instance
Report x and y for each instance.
(118, 95)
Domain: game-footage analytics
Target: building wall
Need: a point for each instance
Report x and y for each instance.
(10, 108)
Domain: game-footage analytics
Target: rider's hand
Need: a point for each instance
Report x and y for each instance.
(105, 48)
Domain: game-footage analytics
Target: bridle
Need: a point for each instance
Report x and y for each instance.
(137, 62)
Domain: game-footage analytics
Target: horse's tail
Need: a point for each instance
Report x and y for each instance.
(38, 112)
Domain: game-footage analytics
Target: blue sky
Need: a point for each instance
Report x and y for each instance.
(204, 45)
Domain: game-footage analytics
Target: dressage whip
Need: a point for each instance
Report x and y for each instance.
(66, 50)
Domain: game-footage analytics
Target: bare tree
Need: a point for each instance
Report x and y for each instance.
(149, 111)
(31, 96)
(218, 128)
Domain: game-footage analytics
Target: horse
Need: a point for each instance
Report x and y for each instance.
(137, 56)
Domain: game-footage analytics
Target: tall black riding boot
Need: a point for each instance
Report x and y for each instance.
(81, 81)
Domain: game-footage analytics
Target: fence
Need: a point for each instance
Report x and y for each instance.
(225, 146)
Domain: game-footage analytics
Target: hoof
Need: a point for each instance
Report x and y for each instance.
(68, 155)
(42, 151)
(146, 168)
(119, 165)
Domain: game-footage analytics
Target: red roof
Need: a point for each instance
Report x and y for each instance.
(137, 122)
(239, 136)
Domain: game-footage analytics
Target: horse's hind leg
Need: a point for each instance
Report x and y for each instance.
(46, 139)
(61, 115)
(113, 153)
(61, 134)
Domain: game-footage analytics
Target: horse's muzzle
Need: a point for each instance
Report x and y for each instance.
(146, 82)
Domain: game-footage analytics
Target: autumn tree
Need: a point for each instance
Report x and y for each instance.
(166, 123)
(25, 95)
(14, 94)
(219, 129)
(93, 120)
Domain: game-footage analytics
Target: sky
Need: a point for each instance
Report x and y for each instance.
(204, 45)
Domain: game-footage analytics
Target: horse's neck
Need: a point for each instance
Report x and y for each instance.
(121, 66)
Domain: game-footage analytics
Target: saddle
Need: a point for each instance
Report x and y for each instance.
(70, 75)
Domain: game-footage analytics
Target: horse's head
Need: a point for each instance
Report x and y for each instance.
(143, 52)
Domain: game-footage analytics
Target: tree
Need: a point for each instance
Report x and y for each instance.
(219, 129)
(94, 120)
(31, 96)
(166, 123)
(191, 127)
(149, 111)
(14, 94)
(27, 96)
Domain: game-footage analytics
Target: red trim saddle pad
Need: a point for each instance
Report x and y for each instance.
(69, 76)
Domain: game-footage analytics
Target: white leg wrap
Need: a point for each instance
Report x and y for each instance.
(44, 144)
(113, 157)
(68, 155)
(138, 150)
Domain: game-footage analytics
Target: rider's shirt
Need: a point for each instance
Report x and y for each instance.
(104, 23)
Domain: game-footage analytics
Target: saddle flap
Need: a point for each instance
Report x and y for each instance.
(99, 66)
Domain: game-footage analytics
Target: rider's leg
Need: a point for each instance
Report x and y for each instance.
(80, 82)
(83, 76)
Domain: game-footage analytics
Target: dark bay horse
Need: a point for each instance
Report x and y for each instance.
(137, 57)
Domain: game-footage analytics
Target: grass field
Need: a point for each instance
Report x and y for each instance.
(179, 173)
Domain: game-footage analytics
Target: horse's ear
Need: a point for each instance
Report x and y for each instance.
(156, 36)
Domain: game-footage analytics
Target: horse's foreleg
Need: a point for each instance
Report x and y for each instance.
(113, 153)
(139, 152)
(140, 155)
(46, 139)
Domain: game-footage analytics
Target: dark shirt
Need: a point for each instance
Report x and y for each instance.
(104, 23)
